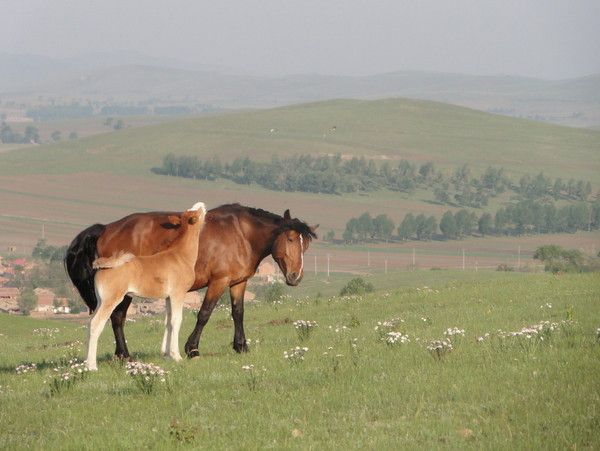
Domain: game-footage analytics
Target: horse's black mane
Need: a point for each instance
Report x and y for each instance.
(282, 224)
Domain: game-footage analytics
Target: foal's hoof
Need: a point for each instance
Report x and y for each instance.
(193, 353)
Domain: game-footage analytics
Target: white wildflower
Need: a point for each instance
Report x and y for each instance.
(451, 331)
(26, 368)
(395, 338)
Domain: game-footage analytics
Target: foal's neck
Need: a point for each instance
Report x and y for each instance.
(187, 242)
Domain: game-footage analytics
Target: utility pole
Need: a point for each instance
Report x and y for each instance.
(518, 257)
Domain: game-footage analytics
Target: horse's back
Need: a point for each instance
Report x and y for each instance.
(138, 233)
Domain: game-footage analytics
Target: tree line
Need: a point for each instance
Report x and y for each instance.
(335, 175)
(524, 217)
(9, 136)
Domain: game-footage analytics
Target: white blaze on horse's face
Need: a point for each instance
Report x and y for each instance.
(288, 252)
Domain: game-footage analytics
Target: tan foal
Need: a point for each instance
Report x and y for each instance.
(168, 274)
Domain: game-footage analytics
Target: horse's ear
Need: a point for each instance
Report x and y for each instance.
(286, 215)
(193, 219)
(313, 228)
(175, 220)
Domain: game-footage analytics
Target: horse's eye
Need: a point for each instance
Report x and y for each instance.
(290, 240)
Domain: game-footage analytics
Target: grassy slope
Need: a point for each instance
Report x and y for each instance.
(528, 396)
(396, 128)
(101, 178)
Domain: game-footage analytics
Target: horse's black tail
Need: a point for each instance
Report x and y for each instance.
(78, 263)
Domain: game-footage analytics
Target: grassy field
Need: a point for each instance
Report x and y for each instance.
(511, 393)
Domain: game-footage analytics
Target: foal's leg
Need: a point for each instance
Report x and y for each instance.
(117, 318)
(236, 294)
(176, 318)
(96, 325)
(213, 293)
(164, 348)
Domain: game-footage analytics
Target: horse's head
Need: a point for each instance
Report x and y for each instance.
(292, 240)
(192, 217)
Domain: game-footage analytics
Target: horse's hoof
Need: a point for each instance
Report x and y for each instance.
(240, 348)
(194, 353)
(175, 357)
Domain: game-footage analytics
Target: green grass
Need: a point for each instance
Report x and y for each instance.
(525, 395)
(395, 128)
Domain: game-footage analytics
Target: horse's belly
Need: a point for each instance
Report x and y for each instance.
(152, 290)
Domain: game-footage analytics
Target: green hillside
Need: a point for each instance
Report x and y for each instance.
(386, 129)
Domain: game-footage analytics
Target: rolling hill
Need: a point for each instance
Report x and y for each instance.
(386, 129)
(65, 186)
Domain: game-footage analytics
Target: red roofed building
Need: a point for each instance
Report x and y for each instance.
(45, 300)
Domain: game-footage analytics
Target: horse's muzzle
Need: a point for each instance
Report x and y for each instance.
(293, 278)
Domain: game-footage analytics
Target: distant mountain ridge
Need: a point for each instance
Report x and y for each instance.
(137, 78)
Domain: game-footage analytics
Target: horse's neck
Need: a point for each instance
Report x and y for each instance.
(186, 244)
(262, 239)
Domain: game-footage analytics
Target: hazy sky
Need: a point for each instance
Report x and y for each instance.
(545, 38)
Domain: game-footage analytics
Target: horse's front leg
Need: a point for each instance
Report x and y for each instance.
(175, 319)
(117, 319)
(236, 294)
(213, 293)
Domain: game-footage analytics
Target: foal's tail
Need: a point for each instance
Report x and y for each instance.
(112, 262)
(78, 263)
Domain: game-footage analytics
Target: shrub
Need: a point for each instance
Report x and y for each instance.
(357, 286)
(504, 267)
(273, 292)
(27, 300)
(557, 259)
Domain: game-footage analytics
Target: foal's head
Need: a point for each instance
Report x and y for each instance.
(292, 240)
(194, 217)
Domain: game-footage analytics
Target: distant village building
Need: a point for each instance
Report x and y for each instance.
(45, 299)
(268, 272)
(9, 299)
(61, 306)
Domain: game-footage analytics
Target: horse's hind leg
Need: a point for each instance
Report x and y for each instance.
(97, 323)
(117, 319)
(236, 294)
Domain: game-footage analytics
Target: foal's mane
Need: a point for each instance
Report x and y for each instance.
(282, 224)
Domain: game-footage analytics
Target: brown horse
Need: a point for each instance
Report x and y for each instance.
(233, 242)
